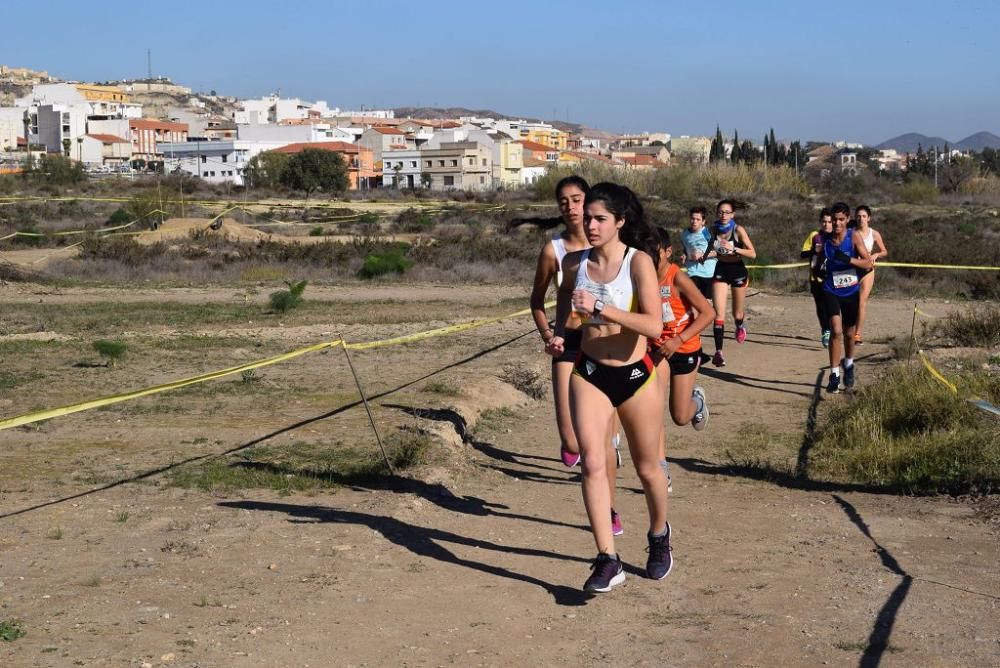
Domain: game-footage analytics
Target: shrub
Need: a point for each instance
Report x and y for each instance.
(918, 191)
(112, 351)
(118, 217)
(283, 300)
(317, 231)
(524, 379)
(907, 432)
(388, 262)
(978, 326)
(10, 630)
(368, 217)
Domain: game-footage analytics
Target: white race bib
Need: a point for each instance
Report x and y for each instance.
(845, 279)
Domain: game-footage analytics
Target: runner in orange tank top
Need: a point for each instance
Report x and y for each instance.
(677, 352)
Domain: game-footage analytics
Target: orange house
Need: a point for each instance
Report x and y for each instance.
(360, 161)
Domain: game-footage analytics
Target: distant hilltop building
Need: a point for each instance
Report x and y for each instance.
(23, 75)
(161, 85)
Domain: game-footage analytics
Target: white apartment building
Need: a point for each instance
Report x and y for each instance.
(11, 127)
(213, 161)
(274, 109)
(58, 126)
(292, 134)
(401, 168)
(103, 150)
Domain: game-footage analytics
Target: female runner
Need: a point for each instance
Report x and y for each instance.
(873, 241)
(613, 286)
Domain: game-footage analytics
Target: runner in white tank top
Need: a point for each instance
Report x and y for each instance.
(877, 250)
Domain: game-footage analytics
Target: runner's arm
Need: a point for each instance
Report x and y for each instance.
(544, 272)
(647, 322)
(749, 252)
(690, 291)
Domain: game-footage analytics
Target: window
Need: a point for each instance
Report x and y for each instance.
(212, 173)
(440, 163)
(454, 163)
(449, 180)
(484, 162)
(430, 163)
(204, 173)
(225, 158)
(204, 159)
(413, 163)
(482, 179)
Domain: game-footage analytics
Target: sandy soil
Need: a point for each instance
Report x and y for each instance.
(477, 561)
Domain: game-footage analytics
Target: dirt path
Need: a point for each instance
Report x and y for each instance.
(482, 565)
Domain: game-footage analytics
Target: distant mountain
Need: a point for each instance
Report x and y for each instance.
(432, 113)
(978, 142)
(909, 143)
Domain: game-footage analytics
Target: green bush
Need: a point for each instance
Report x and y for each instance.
(10, 630)
(119, 217)
(284, 300)
(388, 262)
(978, 326)
(918, 191)
(368, 217)
(317, 231)
(908, 433)
(112, 351)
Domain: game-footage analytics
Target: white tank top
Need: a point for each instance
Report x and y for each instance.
(869, 239)
(559, 246)
(620, 292)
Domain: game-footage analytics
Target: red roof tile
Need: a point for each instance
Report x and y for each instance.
(336, 146)
(110, 139)
(535, 146)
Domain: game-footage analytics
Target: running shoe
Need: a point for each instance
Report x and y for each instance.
(858, 341)
(825, 338)
(718, 359)
(665, 465)
(607, 572)
(660, 561)
(616, 524)
(616, 441)
(833, 386)
(741, 334)
(705, 359)
(849, 377)
(569, 459)
(700, 419)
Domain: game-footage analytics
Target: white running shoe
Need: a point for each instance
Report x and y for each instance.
(616, 441)
(700, 419)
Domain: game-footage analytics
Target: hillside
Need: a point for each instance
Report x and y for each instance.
(979, 141)
(909, 142)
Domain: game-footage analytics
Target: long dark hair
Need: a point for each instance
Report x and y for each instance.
(624, 204)
(661, 241)
(556, 221)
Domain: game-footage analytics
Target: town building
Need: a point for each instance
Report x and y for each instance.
(691, 149)
(464, 165)
(360, 161)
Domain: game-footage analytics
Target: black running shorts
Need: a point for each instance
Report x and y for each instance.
(732, 273)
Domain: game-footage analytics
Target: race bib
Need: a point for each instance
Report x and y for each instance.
(845, 279)
(668, 313)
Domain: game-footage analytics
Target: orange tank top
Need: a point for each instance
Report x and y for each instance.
(677, 313)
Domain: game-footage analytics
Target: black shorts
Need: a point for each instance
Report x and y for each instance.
(618, 383)
(704, 285)
(572, 341)
(680, 364)
(845, 307)
(732, 273)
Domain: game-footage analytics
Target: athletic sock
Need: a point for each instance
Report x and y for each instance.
(848, 362)
(739, 322)
(835, 370)
(719, 333)
(661, 534)
(666, 467)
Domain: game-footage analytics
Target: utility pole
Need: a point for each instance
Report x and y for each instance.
(935, 166)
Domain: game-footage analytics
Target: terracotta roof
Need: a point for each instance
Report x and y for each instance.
(535, 146)
(336, 146)
(528, 161)
(386, 131)
(583, 155)
(641, 161)
(154, 124)
(110, 139)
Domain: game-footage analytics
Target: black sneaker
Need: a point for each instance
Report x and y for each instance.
(833, 386)
(849, 377)
(660, 561)
(607, 572)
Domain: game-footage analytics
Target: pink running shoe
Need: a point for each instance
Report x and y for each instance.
(616, 524)
(741, 334)
(569, 459)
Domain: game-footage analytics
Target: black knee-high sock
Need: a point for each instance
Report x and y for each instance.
(719, 332)
(739, 322)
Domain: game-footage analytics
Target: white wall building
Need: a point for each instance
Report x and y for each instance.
(55, 124)
(404, 165)
(291, 134)
(103, 150)
(214, 161)
(11, 127)
(274, 109)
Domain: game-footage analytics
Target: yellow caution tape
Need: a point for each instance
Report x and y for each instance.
(974, 400)
(927, 315)
(37, 416)
(963, 267)
(791, 265)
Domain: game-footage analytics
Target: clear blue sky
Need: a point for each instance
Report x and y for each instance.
(857, 70)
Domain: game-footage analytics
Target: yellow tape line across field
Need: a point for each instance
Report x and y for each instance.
(912, 265)
(37, 416)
